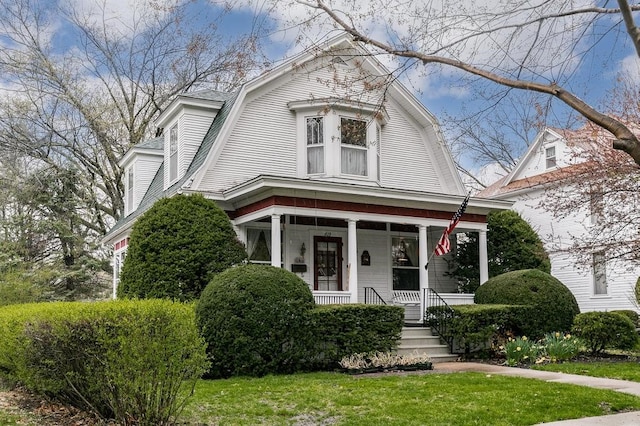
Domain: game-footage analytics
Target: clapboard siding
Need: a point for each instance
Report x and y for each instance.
(264, 139)
(377, 275)
(192, 126)
(574, 272)
(145, 168)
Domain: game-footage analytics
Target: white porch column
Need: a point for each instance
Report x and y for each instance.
(352, 252)
(276, 257)
(484, 258)
(423, 273)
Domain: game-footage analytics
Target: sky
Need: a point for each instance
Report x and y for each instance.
(439, 89)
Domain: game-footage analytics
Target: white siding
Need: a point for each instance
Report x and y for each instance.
(265, 138)
(378, 274)
(536, 163)
(145, 168)
(574, 272)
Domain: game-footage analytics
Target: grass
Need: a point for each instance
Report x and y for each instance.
(628, 370)
(435, 399)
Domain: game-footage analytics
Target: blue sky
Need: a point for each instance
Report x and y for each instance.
(438, 89)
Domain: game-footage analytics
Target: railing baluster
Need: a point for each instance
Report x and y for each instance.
(439, 315)
(371, 297)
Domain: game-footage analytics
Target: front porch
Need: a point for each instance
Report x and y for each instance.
(413, 302)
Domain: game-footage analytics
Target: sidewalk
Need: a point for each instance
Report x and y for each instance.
(622, 419)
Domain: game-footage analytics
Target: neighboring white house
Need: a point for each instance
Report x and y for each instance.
(553, 160)
(324, 170)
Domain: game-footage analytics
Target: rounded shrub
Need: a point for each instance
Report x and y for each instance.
(255, 320)
(632, 315)
(605, 330)
(553, 304)
(176, 247)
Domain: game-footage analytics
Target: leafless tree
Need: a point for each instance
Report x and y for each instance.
(83, 85)
(534, 46)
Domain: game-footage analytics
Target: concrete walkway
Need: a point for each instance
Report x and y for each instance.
(622, 419)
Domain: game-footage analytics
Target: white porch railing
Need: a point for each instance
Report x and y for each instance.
(457, 298)
(332, 297)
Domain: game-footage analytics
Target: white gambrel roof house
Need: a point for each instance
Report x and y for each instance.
(324, 169)
(559, 159)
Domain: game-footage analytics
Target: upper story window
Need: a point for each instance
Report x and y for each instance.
(173, 153)
(315, 145)
(599, 274)
(550, 155)
(129, 190)
(353, 146)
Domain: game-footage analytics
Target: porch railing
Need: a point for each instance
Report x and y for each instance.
(438, 315)
(332, 297)
(371, 297)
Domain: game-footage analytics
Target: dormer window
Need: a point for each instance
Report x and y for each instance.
(173, 153)
(129, 190)
(315, 145)
(339, 139)
(550, 155)
(353, 142)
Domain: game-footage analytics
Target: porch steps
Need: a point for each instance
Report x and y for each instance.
(421, 340)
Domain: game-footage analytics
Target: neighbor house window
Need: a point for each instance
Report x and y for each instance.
(259, 245)
(129, 206)
(353, 142)
(405, 263)
(550, 154)
(173, 153)
(315, 145)
(599, 274)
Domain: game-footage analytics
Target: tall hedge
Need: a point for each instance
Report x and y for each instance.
(176, 247)
(133, 361)
(553, 303)
(255, 321)
(512, 244)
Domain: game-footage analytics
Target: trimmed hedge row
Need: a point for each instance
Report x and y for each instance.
(474, 327)
(343, 330)
(133, 361)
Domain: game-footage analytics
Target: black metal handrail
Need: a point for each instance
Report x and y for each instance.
(438, 315)
(371, 297)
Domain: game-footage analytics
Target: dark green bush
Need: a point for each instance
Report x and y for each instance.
(134, 361)
(255, 321)
(474, 327)
(343, 330)
(605, 330)
(632, 315)
(512, 245)
(176, 247)
(553, 303)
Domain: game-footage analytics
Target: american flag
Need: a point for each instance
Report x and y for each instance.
(444, 246)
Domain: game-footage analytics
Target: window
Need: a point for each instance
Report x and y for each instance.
(596, 205)
(173, 153)
(599, 274)
(315, 145)
(378, 150)
(129, 187)
(259, 245)
(353, 141)
(550, 154)
(405, 263)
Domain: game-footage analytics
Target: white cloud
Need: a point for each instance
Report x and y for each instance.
(630, 67)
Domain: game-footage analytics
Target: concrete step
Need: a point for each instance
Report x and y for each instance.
(421, 340)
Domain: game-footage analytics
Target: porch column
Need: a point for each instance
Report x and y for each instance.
(276, 257)
(352, 267)
(484, 258)
(423, 256)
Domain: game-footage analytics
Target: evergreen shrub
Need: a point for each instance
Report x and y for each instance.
(605, 330)
(474, 327)
(133, 361)
(632, 315)
(255, 321)
(176, 247)
(554, 306)
(343, 330)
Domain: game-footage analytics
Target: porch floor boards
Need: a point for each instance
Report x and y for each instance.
(421, 340)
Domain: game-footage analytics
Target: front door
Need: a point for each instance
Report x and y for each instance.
(327, 263)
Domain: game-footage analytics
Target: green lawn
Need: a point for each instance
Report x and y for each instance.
(629, 370)
(434, 399)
